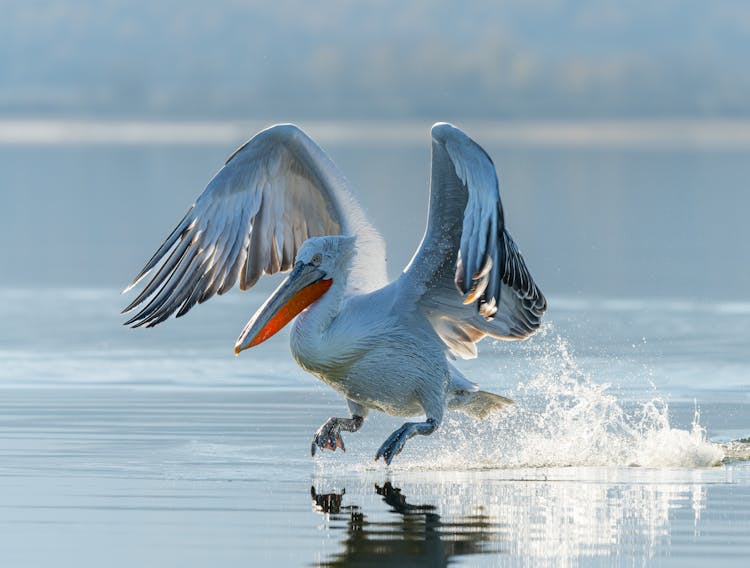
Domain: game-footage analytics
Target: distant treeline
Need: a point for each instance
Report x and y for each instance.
(541, 59)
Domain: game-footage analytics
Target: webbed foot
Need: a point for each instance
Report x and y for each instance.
(396, 441)
(328, 436)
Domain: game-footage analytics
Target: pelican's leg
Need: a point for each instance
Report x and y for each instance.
(395, 442)
(328, 436)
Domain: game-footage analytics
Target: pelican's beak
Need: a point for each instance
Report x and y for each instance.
(302, 287)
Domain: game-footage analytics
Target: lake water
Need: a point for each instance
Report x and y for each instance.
(157, 447)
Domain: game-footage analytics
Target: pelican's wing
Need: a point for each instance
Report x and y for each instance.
(468, 276)
(273, 193)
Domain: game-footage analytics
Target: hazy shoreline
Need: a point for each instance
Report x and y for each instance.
(724, 134)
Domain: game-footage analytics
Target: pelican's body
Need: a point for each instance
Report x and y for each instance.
(372, 352)
(279, 203)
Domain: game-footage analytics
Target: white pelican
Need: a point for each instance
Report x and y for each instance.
(279, 204)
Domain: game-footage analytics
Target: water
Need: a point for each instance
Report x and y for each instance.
(658, 219)
(159, 448)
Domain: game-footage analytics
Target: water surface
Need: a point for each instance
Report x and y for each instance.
(159, 448)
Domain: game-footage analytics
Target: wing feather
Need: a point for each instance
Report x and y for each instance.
(468, 275)
(273, 193)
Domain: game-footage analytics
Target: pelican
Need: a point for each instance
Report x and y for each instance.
(279, 204)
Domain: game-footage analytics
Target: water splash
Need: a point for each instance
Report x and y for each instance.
(562, 418)
(737, 450)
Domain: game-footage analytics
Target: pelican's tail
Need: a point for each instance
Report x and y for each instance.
(477, 404)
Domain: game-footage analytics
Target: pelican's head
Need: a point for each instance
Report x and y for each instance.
(318, 262)
(330, 254)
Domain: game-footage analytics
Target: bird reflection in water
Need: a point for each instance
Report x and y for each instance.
(546, 521)
(414, 536)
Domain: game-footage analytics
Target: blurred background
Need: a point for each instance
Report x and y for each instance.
(620, 130)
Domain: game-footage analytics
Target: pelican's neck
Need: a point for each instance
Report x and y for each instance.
(315, 343)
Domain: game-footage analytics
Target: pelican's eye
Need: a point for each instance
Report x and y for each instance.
(316, 259)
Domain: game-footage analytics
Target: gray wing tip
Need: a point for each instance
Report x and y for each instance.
(276, 132)
(441, 131)
(129, 287)
(141, 275)
(531, 316)
(282, 127)
(283, 131)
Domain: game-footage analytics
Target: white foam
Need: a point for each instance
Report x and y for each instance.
(562, 418)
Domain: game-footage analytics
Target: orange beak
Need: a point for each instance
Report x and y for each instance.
(301, 288)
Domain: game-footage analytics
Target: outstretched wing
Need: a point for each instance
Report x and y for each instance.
(468, 276)
(273, 193)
